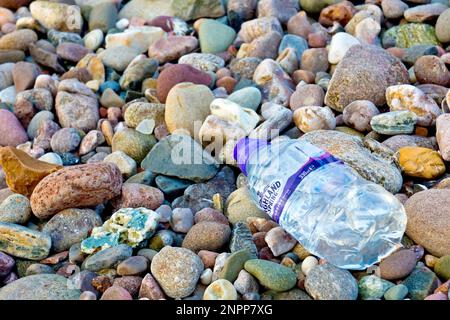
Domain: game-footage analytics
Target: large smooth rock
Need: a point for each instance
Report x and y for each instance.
(429, 220)
(40, 287)
(352, 151)
(181, 156)
(76, 186)
(364, 73)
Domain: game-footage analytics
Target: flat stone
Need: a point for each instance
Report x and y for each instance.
(327, 282)
(107, 258)
(23, 173)
(191, 161)
(39, 287)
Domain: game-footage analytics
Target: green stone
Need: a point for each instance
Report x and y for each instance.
(315, 6)
(271, 275)
(409, 35)
(22, 266)
(442, 267)
(181, 156)
(241, 238)
(394, 122)
(108, 258)
(293, 294)
(144, 177)
(136, 72)
(40, 287)
(235, 263)
(133, 143)
(398, 292)
(130, 226)
(373, 287)
(172, 186)
(194, 9)
(215, 36)
(421, 283)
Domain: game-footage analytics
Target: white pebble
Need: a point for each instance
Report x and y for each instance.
(122, 23)
(206, 277)
(309, 263)
(52, 157)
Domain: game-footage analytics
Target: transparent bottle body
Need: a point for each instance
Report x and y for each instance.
(333, 212)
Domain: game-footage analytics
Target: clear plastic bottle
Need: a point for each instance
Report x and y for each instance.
(324, 204)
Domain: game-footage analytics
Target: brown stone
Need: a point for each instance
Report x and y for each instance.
(398, 265)
(136, 195)
(23, 172)
(341, 12)
(77, 186)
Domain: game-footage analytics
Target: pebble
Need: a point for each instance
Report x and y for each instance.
(421, 162)
(133, 143)
(367, 71)
(11, 132)
(23, 172)
(393, 9)
(420, 283)
(183, 111)
(397, 292)
(312, 118)
(430, 69)
(116, 293)
(6, 264)
(359, 113)
(373, 287)
(442, 32)
(177, 271)
(172, 48)
(215, 36)
(133, 266)
(309, 263)
(176, 74)
(394, 122)
(271, 275)
(45, 200)
(62, 225)
(22, 242)
(340, 43)
(220, 289)
(442, 133)
(39, 287)
(249, 97)
(442, 267)
(323, 277)
(279, 241)
(150, 289)
(182, 220)
(239, 206)
(15, 209)
(307, 95)
(157, 160)
(398, 265)
(428, 221)
(206, 235)
(107, 258)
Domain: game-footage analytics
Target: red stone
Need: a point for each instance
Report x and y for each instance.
(178, 73)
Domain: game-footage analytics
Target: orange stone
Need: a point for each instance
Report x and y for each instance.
(23, 172)
(421, 162)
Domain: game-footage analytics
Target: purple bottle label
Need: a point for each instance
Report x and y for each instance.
(292, 183)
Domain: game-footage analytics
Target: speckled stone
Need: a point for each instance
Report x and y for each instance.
(327, 282)
(177, 271)
(364, 74)
(351, 150)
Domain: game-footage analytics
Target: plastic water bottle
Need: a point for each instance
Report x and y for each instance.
(324, 204)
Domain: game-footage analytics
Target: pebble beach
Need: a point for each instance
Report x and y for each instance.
(118, 126)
